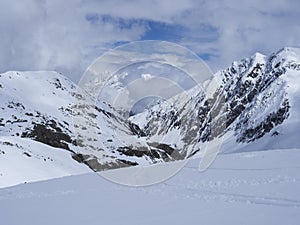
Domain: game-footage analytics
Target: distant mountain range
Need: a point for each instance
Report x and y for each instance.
(51, 128)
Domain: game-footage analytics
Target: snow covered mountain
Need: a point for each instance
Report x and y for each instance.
(252, 105)
(40, 110)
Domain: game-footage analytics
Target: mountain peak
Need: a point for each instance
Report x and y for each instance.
(258, 57)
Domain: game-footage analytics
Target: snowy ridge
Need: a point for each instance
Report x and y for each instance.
(253, 104)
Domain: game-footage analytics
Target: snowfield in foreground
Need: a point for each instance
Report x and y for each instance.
(243, 188)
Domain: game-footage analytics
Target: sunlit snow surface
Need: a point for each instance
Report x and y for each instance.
(244, 188)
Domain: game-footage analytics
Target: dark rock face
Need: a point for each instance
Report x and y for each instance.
(157, 151)
(2, 124)
(93, 163)
(136, 130)
(49, 134)
(272, 120)
(240, 91)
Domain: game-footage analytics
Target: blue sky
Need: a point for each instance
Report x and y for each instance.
(68, 35)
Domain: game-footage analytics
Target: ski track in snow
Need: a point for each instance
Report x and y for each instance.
(232, 197)
(232, 191)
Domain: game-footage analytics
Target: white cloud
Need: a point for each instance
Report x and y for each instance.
(56, 35)
(242, 28)
(146, 76)
(38, 35)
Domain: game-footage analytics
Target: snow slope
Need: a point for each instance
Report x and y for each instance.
(23, 160)
(244, 188)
